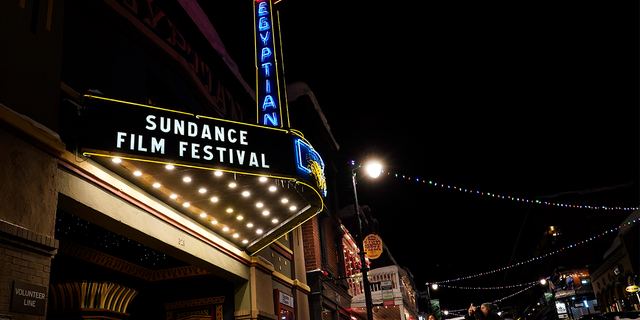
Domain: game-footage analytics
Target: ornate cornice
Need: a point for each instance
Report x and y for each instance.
(117, 264)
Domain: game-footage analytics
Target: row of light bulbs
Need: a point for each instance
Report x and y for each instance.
(185, 204)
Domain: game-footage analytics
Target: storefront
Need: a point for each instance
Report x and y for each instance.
(140, 183)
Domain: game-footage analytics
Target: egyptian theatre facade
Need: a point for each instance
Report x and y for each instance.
(142, 177)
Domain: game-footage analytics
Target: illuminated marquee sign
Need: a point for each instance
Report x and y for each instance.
(267, 85)
(118, 128)
(310, 164)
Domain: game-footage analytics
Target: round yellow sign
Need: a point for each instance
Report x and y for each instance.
(372, 246)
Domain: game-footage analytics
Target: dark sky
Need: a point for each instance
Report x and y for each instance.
(522, 99)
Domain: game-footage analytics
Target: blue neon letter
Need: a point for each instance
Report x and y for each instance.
(262, 9)
(265, 66)
(268, 103)
(266, 52)
(270, 118)
(267, 86)
(263, 24)
(265, 38)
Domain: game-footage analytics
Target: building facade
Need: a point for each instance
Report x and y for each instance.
(619, 270)
(334, 264)
(137, 181)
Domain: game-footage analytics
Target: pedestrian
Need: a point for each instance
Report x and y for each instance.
(487, 311)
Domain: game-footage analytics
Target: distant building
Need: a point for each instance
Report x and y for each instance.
(619, 270)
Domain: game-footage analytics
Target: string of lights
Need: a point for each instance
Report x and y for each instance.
(494, 195)
(494, 301)
(491, 288)
(538, 257)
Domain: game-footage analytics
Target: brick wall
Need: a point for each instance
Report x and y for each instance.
(332, 258)
(311, 241)
(25, 256)
(312, 250)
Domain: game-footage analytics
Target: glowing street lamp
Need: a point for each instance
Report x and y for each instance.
(373, 169)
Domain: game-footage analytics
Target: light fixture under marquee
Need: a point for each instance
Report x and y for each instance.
(217, 212)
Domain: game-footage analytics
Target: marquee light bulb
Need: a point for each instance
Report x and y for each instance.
(116, 160)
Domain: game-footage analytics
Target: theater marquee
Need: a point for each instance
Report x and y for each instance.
(274, 178)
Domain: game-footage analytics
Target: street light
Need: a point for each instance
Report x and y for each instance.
(373, 169)
(433, 286)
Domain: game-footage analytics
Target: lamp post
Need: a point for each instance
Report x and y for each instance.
(435, 287)
(373, 169)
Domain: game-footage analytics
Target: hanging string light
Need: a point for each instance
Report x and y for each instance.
(492, 288)
(497, 196)
(514, 294)
(458, 311)
(627, 224)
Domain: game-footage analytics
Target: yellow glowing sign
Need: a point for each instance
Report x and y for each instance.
(372, 246)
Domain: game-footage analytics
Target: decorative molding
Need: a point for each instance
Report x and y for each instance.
(263, 264)
(282, 249)
(254, 314)
(193, 303)
(175, 307)
(28, 239)
(608, 264)
(117, 264)
(91, 295)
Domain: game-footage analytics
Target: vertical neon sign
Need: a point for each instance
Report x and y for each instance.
(267, 85)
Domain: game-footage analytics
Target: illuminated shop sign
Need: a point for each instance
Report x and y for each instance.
(117, 128)
(267, 85)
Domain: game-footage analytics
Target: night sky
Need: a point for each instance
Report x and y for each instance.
(529, 100)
